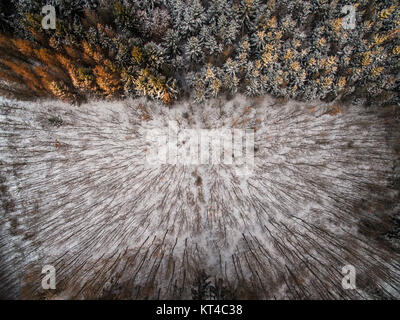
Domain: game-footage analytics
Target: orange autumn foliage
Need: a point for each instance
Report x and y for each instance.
(167, 98)
(108, 81)
(25, 71)
(23, 46)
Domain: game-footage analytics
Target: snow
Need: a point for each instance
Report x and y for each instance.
(86, 200)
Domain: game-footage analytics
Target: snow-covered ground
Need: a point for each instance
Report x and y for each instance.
(78, 195)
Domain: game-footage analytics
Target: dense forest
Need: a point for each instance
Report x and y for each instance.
(167, 49)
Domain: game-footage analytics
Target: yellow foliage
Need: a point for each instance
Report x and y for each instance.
(330, 62)
(137, 54)
(272, 22)
(379, 39)
(209, 73)
(377, 71)
(322, 62)
(148, 84)
(119, 9)
(336, 24)
(255, 73)
(368, 24)
(303, 52)
(261, 34)
(111, 66)
(82, 79)
(289, 23)
(288, 55)
(382, 38)
(216, 85)
(59, 90)
(342, 82)
(295, 66)
(268, 55)
(327, 82)
(366, 60)
(34, 21)
(321, 42)
(385, 13)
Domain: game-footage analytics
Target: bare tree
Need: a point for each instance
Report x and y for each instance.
(77, 194)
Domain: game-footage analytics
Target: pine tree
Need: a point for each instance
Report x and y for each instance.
(193, 18)
(193, 50)
(108, 81)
